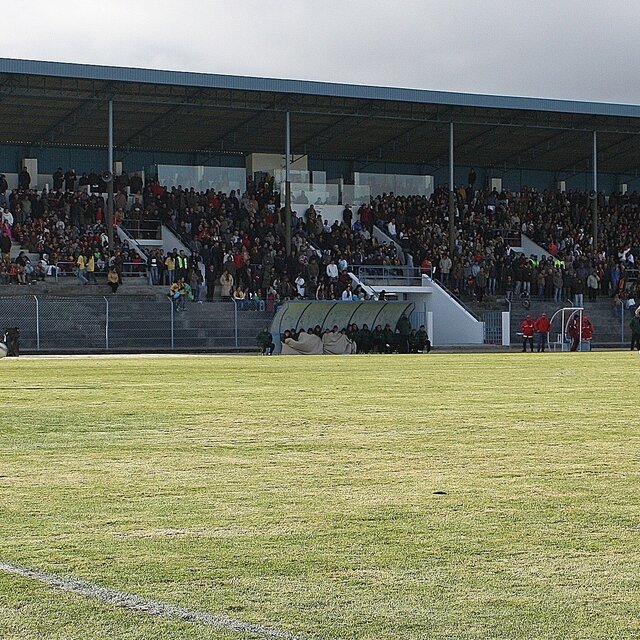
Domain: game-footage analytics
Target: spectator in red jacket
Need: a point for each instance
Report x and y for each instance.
(542, 327)
(527, 327)
(587, 328)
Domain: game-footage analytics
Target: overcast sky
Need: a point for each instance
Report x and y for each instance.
(586, 50)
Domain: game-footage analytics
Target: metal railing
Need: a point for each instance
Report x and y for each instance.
(453, 296)
(185, 238)
(388, 275)
(492, 327)
(143, 229)
(632, 275)
(65, 269)
(112, 323)
(512, 237)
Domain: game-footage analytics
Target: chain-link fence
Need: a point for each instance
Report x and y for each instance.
(99, 324)
(492, 327)
(24, 314)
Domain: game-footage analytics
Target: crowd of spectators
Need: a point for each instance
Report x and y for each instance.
(488, 223)
(238, 245)
(238, 240)
(65, 227)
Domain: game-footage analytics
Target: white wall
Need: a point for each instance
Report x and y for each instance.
(170, 241)
(329, 212)
(269, 162)
(43, 179)
(453, 325)
(12, 180)
(130, 241)
(529, 247)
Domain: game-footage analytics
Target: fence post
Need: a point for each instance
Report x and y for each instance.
(506, 328)
(37, 323)
(429, 327)
(106, 325)
(172, 342)
(235, 315)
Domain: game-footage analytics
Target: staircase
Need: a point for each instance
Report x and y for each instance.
(15, 252)
(382, 236)
(70, 287)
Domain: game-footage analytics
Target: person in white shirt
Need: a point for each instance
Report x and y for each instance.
(300, 286)
(332, 270)
(7, 217)
(391, 228)
(445, 269)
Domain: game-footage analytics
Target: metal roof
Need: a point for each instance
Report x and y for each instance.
(359, 92)
(54, 103)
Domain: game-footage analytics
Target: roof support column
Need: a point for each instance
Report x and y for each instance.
(287, 183)
(110, 182)
(452, 208)
(594, 202)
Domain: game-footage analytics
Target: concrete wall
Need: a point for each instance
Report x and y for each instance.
(171, 241)
(329, 212)
(84, 159)
(452, 323)
(270, 162)
(50, 158)
(512, 178)
(529, 247)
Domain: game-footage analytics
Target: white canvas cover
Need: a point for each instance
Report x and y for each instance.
(307, 344)
(337, 344)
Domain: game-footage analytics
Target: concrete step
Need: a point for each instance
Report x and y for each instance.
(73, 289)
(15, 252)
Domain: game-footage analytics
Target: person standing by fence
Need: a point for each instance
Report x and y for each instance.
(81, 269)
(91, 268)
(542, 327)
(170, 265)
(527, 328)
(635, 330)
(112, 280)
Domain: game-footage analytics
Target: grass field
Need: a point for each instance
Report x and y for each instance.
(305, 494)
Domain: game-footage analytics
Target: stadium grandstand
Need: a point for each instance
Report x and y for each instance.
(120, 186)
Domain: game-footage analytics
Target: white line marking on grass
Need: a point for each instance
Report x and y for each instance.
(145, 605)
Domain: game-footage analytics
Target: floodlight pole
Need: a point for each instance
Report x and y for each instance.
(287, 183)
(452, 224)
(594, 202)
(110, 183)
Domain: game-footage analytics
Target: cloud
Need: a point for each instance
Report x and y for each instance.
(565, 49)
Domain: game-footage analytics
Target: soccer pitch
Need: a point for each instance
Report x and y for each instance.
(376, 497)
